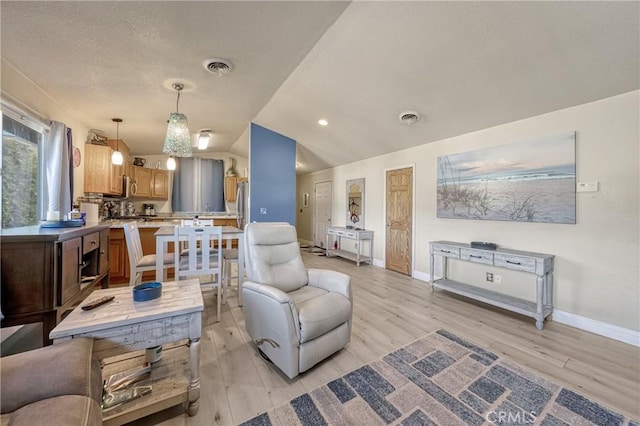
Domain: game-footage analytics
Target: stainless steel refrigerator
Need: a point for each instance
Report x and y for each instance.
(242, 204)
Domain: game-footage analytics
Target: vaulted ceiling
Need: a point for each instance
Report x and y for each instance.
(463, 66)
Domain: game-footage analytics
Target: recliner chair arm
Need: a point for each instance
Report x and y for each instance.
(275, 295)
(329, 280)
(269, 291)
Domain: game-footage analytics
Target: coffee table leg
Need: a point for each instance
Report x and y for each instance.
(194, 385)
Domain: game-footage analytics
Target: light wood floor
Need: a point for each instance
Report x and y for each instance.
(391, 310)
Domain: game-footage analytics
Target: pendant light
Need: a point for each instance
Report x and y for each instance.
(116, 157)
(171, 163)
(177, 143)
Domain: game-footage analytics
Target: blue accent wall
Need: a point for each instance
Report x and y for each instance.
(272, 176)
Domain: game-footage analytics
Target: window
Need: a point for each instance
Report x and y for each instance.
(198, 185)
(22, 170)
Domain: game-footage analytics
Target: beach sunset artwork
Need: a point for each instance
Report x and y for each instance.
(530, 181)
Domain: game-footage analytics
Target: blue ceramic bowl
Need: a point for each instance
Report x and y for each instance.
(147, 291)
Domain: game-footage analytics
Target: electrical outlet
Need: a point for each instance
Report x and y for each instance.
(497, 279)
(263, 210)
(489, 277)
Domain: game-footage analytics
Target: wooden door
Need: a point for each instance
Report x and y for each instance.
(231, 188)
(322, 213)
(142, 179)
(97, 169)
(399, 221)
(70, 267)
(160, 184)
(103, 257)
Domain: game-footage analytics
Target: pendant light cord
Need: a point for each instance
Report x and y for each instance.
(178, 102)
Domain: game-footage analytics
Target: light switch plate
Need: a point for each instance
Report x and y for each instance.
(587, 187)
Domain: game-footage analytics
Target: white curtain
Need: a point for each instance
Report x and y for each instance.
(59, 175)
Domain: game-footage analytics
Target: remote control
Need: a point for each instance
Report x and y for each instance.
(98, 302)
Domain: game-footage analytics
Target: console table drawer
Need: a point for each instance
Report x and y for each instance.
(526, 264)
(477, 256)
(446, 251)
(90, 242)
(335, 232)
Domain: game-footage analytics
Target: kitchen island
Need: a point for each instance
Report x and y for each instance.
(120, 270)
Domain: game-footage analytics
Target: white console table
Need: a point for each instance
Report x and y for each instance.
(539, 264)
(334, 236)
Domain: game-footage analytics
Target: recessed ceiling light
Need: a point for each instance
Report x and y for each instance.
(410, 117)
(323, 122)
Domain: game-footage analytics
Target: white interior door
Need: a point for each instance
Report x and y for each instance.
(323, 193)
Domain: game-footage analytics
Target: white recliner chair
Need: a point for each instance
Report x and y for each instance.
(296, 317)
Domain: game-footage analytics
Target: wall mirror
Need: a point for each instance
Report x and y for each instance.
(355, 203)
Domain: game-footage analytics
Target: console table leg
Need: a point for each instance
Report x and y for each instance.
(540, 295)
(194, 386)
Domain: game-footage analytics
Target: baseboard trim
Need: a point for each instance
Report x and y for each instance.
(378, 263)
(611, 331)
(422, 276)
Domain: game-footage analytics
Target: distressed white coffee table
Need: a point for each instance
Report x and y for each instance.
(122, 326)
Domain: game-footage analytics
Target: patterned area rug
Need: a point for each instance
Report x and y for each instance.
(441, 379)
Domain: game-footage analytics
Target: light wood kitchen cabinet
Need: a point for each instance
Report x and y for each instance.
(119, 261)
(100, 175)
(97, 169)
(141, 182)
(231, 187)
(115, 180)
(160, 184)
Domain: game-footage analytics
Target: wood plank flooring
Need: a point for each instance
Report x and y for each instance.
(391, 310)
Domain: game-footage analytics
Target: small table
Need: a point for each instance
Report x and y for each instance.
(335, 234)
(123, 326)
(165, 235)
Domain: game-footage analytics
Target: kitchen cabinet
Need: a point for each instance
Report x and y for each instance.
(141, 182)
(100, 175)
(97, 169)
(231, 187)
(160, 184)
(46, 272)
(115, 180)
(149, 183)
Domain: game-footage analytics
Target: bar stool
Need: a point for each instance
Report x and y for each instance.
(229, 257)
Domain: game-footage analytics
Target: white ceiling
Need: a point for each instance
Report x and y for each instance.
(464, 65)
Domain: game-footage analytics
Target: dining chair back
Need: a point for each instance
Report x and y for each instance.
(203, 258)
(138, 261)
(200, 222)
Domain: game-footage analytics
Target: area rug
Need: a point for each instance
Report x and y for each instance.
(441, 379)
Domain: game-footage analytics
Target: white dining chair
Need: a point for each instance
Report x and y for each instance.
(200, 222)
(204, 245)
(138, 261)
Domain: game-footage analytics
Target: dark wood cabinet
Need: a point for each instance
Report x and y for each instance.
(46, 272)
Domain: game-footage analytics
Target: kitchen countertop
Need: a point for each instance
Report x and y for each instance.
(160, 221)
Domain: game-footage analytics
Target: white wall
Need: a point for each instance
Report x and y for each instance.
(16, 86)
(597, 259)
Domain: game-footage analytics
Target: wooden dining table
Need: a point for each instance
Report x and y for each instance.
(165, 235)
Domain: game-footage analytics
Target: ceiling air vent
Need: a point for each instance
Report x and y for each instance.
(217, 66)
(410, 117)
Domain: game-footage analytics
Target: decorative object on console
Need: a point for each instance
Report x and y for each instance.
(177, 143)
(530, 181)
(483, 245)
(355, 203)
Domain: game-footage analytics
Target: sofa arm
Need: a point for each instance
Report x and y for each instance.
(329, 280)
(63, 369)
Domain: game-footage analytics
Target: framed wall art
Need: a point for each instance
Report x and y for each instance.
(355, 203)
(530, 181)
